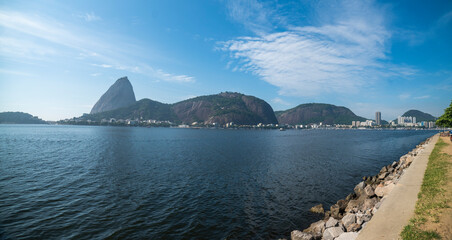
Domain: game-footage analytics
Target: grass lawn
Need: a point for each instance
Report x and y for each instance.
(431, 198)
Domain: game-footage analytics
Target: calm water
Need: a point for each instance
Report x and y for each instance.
(76, 182)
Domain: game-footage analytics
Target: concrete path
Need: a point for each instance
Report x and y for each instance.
(398, 207)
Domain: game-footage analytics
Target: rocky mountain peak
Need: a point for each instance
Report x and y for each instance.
(119, 95)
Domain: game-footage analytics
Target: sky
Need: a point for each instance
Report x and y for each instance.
(58, 57)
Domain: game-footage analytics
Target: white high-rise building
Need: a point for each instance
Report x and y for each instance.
(406, 121)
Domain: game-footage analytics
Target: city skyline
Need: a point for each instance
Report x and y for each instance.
(57, 59)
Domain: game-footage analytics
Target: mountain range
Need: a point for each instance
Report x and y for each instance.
(119, 102)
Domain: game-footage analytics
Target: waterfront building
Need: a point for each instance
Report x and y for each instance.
(406, 121)
(378, 118)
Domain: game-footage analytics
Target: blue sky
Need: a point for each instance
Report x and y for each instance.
(58, 57)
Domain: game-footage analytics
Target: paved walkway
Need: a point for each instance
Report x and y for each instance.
(398, 207)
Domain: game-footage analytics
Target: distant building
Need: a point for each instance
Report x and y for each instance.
(406, 121)
(378, 118)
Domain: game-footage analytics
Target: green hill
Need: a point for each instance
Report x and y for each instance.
(420, 116)
(19, 118)
(316, 113)
(223, 108)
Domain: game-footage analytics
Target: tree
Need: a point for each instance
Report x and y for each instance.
(446, 119)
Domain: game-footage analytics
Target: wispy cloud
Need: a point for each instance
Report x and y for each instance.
(45, 37)
(342, 55)
(90, 17)
(404, 96)
(102, 65)
(250, 13)
(423, 97)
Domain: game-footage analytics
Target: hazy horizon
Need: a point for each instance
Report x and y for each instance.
(57, 59)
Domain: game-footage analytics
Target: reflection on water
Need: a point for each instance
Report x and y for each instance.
(118, 182)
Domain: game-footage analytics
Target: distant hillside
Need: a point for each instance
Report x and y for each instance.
(143, 109)
(223, 108)
(20, 118)
(420, 116)
(316, 113)
(119, 95)
(219, 108)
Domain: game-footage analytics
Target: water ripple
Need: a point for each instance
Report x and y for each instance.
(76, 182)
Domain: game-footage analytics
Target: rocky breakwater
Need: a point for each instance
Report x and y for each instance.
(348, 216)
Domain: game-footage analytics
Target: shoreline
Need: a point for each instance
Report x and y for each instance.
(348, 218)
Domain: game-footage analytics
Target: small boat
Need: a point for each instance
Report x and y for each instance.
(282, 129)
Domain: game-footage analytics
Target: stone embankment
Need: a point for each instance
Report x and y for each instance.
(348, 216)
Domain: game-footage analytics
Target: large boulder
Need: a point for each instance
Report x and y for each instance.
(348, 220)
(317, 209)
(332, 233)
(354, 227)
(361, 218)
(369, 191)
(331, 223)
(316, 228)
(347, 236)
(359, 189)
(382, 190)
(368, 203)
(298, 235)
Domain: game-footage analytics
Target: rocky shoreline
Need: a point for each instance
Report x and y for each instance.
(348, 216)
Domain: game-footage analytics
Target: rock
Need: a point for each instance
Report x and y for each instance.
(335, 211)
(317, 209)
(331, 233)
(348, 220)
(298, 235)
(378, 204)
(359, 189)
(316, 228)
(408, 160)
(383, 175)
(342, 204)
(350, 197)
(354, 227)
(347, 236)
(369, 191)
(327, 215)
(382, 190)
(362, 218)
(331, 223)
(384, 169)
(352, 205)
(119, 95)
(368, 203)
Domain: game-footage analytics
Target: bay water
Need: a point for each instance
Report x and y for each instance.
(92, 182)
